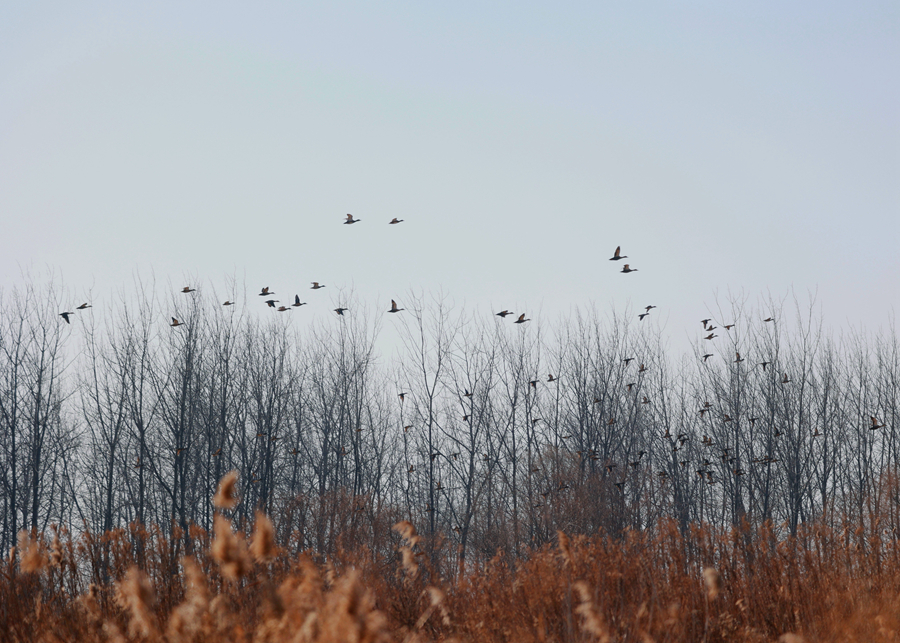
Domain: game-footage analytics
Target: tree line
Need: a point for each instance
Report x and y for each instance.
(486, 435)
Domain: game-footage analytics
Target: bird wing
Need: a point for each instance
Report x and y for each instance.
(618, 250)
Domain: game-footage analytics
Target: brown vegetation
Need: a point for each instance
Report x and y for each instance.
(739, 584)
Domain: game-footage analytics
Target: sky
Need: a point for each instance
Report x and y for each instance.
(731, 148)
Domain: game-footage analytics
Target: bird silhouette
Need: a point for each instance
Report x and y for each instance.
(769, 319)
(705, 322)
(764, 364)
(175, 322)
(66, 317)
(617, 255)
(228, 303)
(626, 269)
(521, 319)
(395, 220)
(728, 326)
(785, 379)
(265, 292)
(187, 289)
(316, 286)
(707, 356)
(340, 311)
(394, 308)
(282, 309)
(710, 336)
(738, 359)
(504, 313)
(402, 396)
(550, 378)
(642, 369)
(648, 308)
(642, 315)
(297, 301)
(272, 302)
(83, 306)
(875, 424)
(350, 220)
(627, 360)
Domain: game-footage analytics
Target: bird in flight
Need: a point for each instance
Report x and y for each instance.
(282, 309)
(297, 301)
(66, 317)
(769, 319)
(350, 220)
(504, 313)
(764, 364)
(739, 358)
(627, 269)
(340, 311)
(642, 315)
(710, 336)
(316, 286)
(728, 327)
(618, 255)
(175, 322)
(521, 319)
(187, 289)
(395, 220)
(394, 308)
(271, 302)
(265, 292)
(647, 308)
(707, 356)
(785, 379)
(228, 303)
(83, 306)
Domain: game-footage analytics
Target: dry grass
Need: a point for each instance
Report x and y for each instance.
(737, 585)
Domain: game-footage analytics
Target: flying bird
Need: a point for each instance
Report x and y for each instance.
(705, 322)
(710, 336)
(228, 303)
(272, 302)
(785, 379)
(175, 322)
(282, 309)
(642, 315)
(66, 317)
(647, 308)
(265, 292)
(707, 356)
(297, 301)
(316, 286)
(769, 319)
(617, 255)
(626, 269)
(394, 308)
(521, 319)
(395, 220)
(340, 311)
(83, 306)
(739, 358)
(350, 220)
(504, 313)
(187, 289)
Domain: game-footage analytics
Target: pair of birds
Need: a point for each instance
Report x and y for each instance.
(520, 320)
(65, 315)
(618, 255)
(351, 220)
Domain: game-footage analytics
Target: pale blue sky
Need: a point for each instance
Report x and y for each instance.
(724, 146)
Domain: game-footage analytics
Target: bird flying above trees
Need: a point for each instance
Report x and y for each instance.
(175, 322)
(521, 319)
(340, 311)
(83, 306)
(394, 308)
(188, 289)
(66, 317)
(297, 301)
(272, 302)
(265, 292)
(504, 313)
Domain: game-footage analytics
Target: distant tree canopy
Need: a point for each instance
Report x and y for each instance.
(485, 434)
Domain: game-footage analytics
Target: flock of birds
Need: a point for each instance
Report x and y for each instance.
(677, 444)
